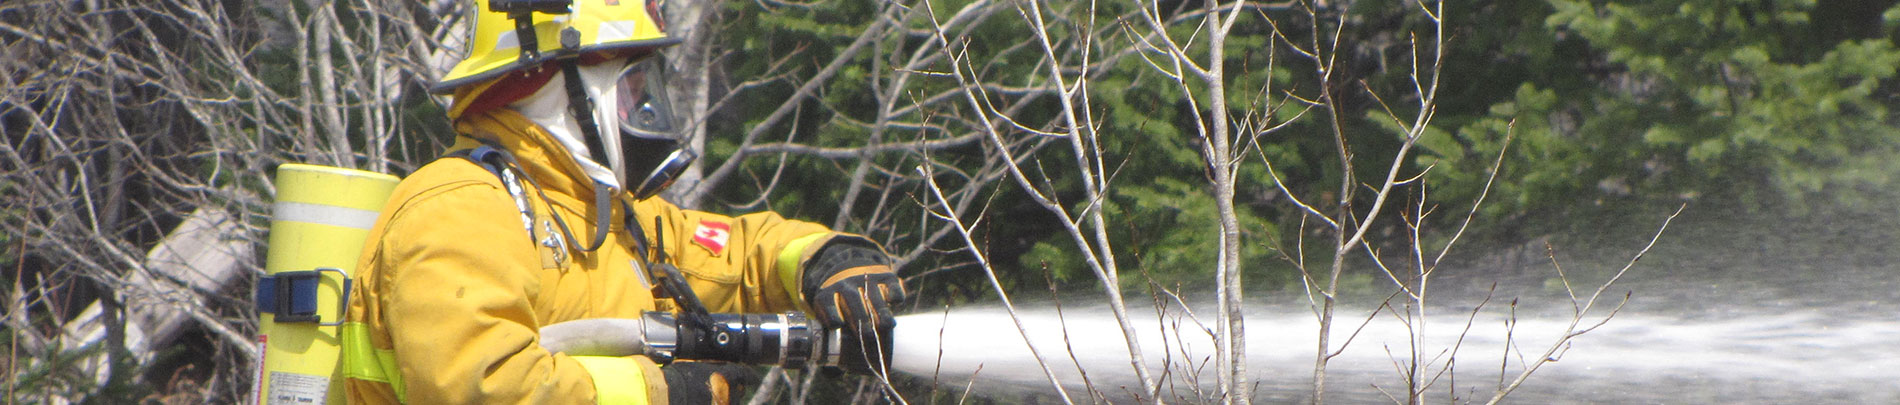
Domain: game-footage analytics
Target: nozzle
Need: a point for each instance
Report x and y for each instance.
(788, 339)
(784, 339)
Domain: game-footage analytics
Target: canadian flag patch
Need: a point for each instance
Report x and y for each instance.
(713, 236)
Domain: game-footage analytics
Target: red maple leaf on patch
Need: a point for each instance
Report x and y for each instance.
(713, 236)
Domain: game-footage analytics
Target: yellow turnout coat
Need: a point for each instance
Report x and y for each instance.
(452, 290)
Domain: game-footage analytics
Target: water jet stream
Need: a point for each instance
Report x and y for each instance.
(1800, 356)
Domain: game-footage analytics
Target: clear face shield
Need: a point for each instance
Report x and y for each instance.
(651, 144)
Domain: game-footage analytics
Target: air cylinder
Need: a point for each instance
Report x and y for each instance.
(318, 224)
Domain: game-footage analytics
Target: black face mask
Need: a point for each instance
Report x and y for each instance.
(665, 158)
(651, 145)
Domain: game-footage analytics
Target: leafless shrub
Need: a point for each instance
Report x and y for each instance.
(127, 122)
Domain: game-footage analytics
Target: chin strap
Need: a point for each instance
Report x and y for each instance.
(579, 105)
(582, 108)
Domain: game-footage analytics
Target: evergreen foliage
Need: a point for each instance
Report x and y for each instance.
(1779, 105)
(1654, 102)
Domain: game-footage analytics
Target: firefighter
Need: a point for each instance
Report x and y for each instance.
(545, 211)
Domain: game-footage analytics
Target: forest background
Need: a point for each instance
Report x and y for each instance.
(1774, 123)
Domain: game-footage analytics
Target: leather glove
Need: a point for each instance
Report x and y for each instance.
(853, 286)
(705, 382)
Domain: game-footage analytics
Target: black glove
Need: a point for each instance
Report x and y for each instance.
(705, 382)
(853, 286)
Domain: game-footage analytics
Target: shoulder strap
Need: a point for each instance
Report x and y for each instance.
(500, 162)
(495, 161)
(485, 153)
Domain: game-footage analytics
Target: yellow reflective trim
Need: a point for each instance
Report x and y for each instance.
(615, 379)
(388, 360)
(788, 261)
(361, 361)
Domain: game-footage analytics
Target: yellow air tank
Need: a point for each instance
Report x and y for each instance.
(317, 227)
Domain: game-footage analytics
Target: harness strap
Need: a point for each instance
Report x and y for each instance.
(292, 295)
(497, 160)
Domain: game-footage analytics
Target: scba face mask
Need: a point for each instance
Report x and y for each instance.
(640, 133)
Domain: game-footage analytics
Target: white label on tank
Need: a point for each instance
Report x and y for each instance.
(297, 389)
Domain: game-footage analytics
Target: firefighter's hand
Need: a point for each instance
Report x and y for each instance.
(859, 298)
(705, 382)
(854, 287)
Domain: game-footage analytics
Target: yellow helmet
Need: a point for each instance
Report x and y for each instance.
(603, 25)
